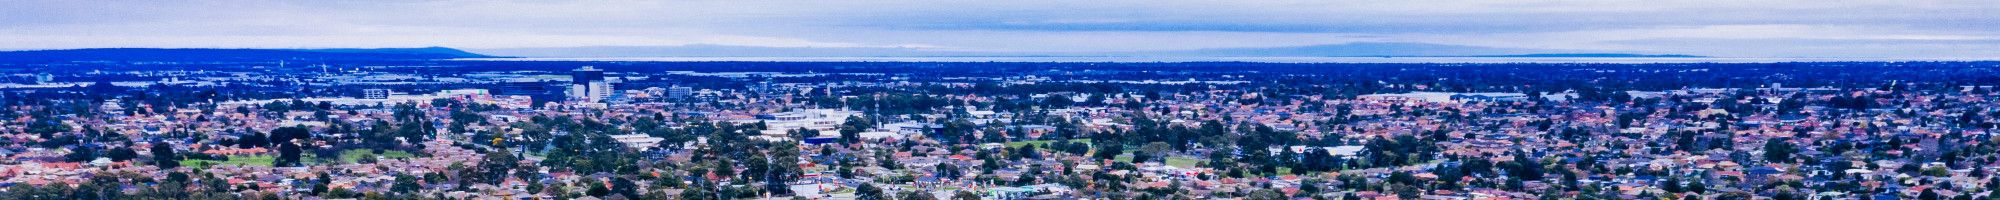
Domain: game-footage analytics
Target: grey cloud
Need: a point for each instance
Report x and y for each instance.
(970, 25)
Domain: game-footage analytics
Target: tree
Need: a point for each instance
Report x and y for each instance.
(1108, 150)
(1698, 186)
(1672, 185)
(494, 167)
(964, 195)
(1401, 177)
(948, 171)
(802, 133)
(1991, 186)
(121, 154)
(405, 184)
(253, 140)
(850, 131)
(288, 155)
(623, 186)
(1058, 101)
(1525, 168)
(700, 190)
(1408, 192)
(81, 154)
(1267, 194)
(1156, 150)
(164, 156)
(597, 189)
(1778, 151)
(287, 134)
(869, 192)
(783, 167)
(915, 195)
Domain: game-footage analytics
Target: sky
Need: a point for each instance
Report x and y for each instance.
(1773, 28)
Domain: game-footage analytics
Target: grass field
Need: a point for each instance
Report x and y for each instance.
(256, 160)
(1181, 162)
(1176, 161)
(352, 155)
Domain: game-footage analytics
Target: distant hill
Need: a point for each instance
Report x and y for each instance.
(1599, 55)
(706, 50)
(1389, 49)
(1360, 49)
(202, 55)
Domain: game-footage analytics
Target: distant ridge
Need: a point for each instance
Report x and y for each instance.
(1397, 49)
(1358, 49)
(709, 50)
(206, 55)
(1598, 55)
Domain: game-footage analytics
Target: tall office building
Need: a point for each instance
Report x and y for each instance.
(540, 92)
(375, 93)
(678, 92)
(587, 84)
(45, 78)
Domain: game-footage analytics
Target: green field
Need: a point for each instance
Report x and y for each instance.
(352, 155)
(256, 160)
(1181, 162)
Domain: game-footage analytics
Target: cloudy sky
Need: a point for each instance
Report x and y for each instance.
(1775, 28)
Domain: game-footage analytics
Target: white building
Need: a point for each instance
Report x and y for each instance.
(827, 121)
(638, 141)
(678, 92)
(588, 84)
(375, 94)
(45, 78)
